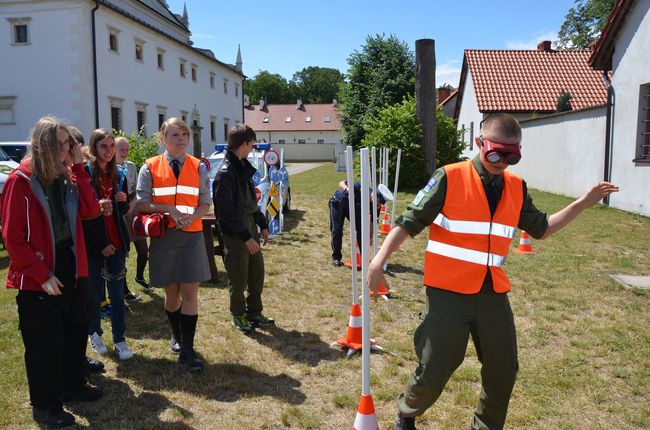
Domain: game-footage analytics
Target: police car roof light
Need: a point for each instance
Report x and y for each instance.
(263, 146)
(220, 147)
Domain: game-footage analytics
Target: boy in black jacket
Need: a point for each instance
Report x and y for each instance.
(235, 207)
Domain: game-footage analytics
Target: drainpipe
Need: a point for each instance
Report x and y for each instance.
(95, 65)
(609, 109)
(243, 118)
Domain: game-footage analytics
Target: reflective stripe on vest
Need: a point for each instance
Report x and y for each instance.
(465, 239)
(181, 193)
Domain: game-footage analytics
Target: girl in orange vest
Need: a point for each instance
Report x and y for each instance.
(175, 183)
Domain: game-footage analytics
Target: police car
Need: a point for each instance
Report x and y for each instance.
(7, 165)
(267, 162)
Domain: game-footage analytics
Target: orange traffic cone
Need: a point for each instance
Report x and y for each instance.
(382, 209)
(384, 228)
(354, 339)
(366, 418)
(525, 244)
(349, 262)
(382, 291)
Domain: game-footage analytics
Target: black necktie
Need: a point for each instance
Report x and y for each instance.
(492, 196)
(176, 168)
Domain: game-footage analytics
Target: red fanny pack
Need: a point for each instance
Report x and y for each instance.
(151, 225)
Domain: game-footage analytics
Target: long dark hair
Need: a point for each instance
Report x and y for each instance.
(111, 167)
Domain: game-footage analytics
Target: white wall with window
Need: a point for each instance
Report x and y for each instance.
(138, 70)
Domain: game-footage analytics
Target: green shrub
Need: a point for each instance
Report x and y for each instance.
(397, 127)
(141, 147)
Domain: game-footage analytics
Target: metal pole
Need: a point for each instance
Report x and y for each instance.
(386, 170)
(373, 217)
(365, 301)
(399, 158)
(281, 197)
(349, 167)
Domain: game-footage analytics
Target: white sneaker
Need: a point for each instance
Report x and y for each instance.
(97, 343)
(123, 351)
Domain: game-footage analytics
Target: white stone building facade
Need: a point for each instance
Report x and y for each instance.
(118, 64)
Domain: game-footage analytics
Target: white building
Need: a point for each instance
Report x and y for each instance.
(305, 131)
(124, 64)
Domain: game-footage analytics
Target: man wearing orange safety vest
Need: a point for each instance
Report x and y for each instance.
(473, 209)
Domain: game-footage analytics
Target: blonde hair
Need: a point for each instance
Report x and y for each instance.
(45, 162)
(176, 123)
(120, 139)
(95, 137)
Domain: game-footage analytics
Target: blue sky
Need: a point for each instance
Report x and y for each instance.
(284, 36)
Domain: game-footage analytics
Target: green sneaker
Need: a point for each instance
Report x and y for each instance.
(261, 321)
(241, 323)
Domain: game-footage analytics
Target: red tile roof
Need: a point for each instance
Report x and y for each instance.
(601, 58)
(532, 80)
(277, 115)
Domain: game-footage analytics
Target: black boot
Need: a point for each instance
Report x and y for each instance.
(187, 356)
(175, 324)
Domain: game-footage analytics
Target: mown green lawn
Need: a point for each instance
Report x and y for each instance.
(584, 343)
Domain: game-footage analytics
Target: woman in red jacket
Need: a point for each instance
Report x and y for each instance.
(42, 205)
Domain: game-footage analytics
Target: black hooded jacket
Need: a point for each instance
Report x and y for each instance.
(235, 178)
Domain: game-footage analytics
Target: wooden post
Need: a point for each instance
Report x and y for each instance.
(425, 97)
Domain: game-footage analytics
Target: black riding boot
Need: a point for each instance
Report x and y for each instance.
(187, 356)
(175, 324)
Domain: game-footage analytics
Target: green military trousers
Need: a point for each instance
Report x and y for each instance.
(245, 274)
(440, 344)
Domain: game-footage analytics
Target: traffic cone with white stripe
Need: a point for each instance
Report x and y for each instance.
(354, 339)
(525, 244)
(366, 418)
(382, 209)
(384, 228)
(349, 262)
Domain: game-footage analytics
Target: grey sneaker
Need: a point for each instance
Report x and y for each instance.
(97, 344)
(241, 323)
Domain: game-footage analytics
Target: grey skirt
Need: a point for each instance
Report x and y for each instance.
(178, 257)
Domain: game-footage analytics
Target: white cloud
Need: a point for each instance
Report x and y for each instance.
(448, 73)
(532, 43)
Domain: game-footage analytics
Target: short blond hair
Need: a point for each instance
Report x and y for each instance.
(501, 124)
(176, 122)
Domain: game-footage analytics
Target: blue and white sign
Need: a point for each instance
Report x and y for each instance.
(274, 227)
(257, 178)
(274, 175)
(284, 174)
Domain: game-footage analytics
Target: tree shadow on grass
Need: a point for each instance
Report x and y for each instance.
(225, 382)
(4, 262)
(148, 319)
(302, 347)
(122, 408)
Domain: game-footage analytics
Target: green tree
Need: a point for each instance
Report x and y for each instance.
(272, 87)
(584, 23)
(141, 147)
(397, 127)
(382, 73)
(318, 84)
(564, 102)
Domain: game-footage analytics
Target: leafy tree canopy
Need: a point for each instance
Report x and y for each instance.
(584, 23)
(382, 73)
(271, 87)
(318, 84)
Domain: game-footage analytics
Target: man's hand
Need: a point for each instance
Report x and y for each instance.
(597, 193)
(52, 286)
(120, 197)
(265, 236)
(375, 277)
(108, 251)
(253, 246)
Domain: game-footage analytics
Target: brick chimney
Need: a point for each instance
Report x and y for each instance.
(300, 105)
(443, 93)
(262, 104)
(544, 46)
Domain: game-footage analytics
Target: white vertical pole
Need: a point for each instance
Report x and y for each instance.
(365, 252)
(399, 158)
(381, 164)
(349, 167)
(373, 168)
(281, 197)
(386, 169)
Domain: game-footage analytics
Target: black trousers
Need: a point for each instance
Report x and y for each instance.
(339, 211)
(54, 331)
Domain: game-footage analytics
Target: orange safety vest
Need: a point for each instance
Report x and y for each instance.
(465, 240)
(182, 193)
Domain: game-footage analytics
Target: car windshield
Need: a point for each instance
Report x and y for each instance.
(256, 160)
(5, 157)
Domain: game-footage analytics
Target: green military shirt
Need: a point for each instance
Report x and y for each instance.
(430, 200)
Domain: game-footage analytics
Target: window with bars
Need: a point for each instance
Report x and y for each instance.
(643, 138)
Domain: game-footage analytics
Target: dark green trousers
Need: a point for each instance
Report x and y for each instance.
(440, 344)
(245, 275)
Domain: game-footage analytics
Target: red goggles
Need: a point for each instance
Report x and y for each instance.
(500, 152)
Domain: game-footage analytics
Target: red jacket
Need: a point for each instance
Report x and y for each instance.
(27, 228)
